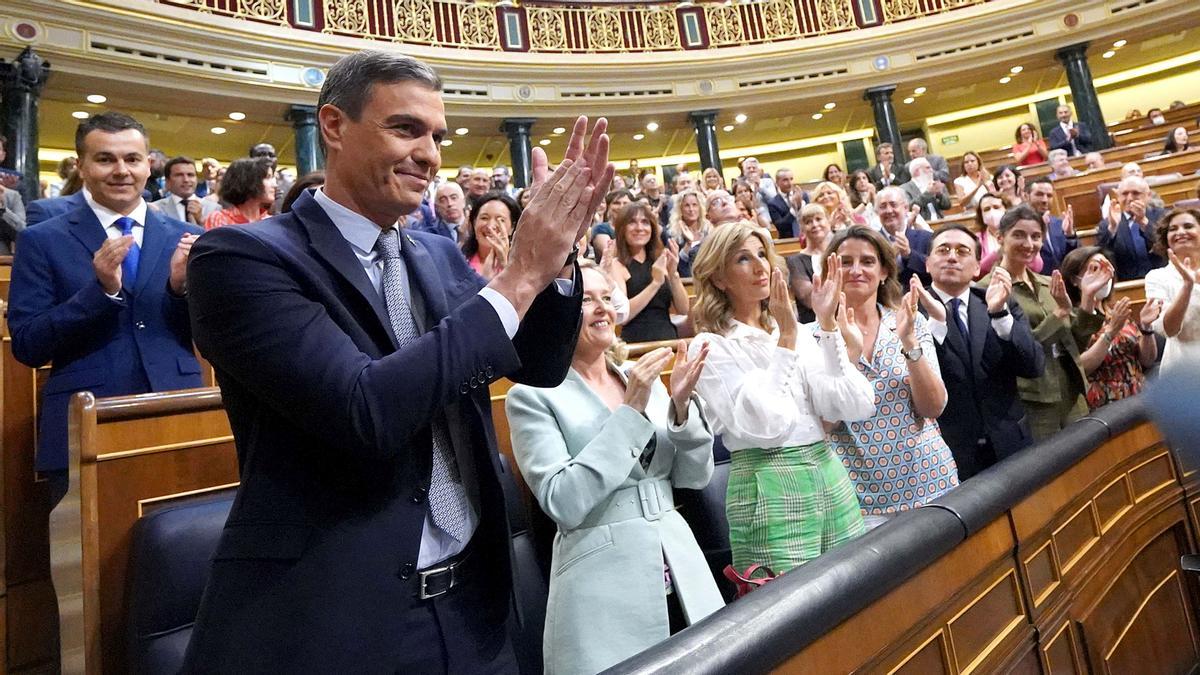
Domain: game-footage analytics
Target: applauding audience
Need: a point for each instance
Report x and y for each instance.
(896, 458)
(647, 273)
(983, 343)
(1116, 359)
(687, 227)
(972, 181)
(1175, 286)
(1057, 397)
(1128, 229)
(489, 233)
(804, 266)
(768, 386)
(249, 187)
(591, 449)
(1029, 148)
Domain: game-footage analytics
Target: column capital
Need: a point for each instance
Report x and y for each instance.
(708, 117)
(27, 73)
(517, 125)
(301, 115)
(1075, 52)
(883, 91)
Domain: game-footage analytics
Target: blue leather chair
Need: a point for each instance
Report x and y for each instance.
(704, 510)
(169, 562)
(532, 583)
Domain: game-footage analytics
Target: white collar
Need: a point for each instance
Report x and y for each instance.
(945, 297)
(354, 227)
(107, 216)
(739, 330)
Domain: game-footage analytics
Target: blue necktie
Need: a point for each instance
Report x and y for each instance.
(448, 503)
(1139, 246)
(955, 303)
(129, 266)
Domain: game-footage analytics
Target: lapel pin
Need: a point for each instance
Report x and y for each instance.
(410, 240)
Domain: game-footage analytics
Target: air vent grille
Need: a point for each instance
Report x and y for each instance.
(1118, 7)
(614, 93)
(978, 45)
(465, 92)
(774, 81)
(144, 54)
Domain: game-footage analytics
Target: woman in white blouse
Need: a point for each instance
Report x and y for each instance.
(1178, 234)
(767, 386)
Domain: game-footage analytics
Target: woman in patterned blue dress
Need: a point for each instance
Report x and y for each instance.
(897, 459)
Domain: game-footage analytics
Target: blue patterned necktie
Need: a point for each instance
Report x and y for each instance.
(1139, 243)
(129, 266)
(955, 303)
(447, 498)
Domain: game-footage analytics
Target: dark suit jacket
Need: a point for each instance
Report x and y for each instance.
(781, 216)
(899, 172)
(59, 314)
(313, 571)
(12, 220)
(1120, 242)
(1056, 246)
(981, 385)
(39, 210)
(940, 201)
(920, 244)
(1059, 140)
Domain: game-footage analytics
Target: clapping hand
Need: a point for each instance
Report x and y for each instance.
(851, 334)
(933, 307)
(1095, 278)
(1058, 291)
(1184, 267)
(1068, 221)
(640, 378)
(900, 243)
(672, 253)
(998, 290)
(783, 309)
(661, 267)
(1117, 318)
(1114, 209)
(827, 293)
(1150, 312)
(906, 316)
(684, 377)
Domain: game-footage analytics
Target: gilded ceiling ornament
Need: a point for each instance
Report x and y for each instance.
(894, 10)
(265, 10)
(346, 16)
(413, 20)
(604, 30)
(724, 25)
(837, 14)
(779, 19)
(546, 32)
(478, 26)
(660, 29)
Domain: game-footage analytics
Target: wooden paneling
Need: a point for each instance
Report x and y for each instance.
(133, 450)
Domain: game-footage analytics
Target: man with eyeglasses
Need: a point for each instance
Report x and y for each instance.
(984, 343)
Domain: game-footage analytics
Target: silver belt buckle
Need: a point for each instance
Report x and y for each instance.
(425, 594)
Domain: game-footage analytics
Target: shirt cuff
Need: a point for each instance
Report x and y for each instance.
(1003, 326)
(115, 297)
(504, 310)
(938, 329)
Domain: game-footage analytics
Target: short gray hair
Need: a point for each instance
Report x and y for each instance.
(891, 190)
(349, 82)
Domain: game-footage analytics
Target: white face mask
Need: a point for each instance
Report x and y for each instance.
(1106, 291)
(992, 218)
(1158, 121)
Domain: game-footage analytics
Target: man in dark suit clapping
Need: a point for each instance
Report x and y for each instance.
(369, 531)
(984, 343)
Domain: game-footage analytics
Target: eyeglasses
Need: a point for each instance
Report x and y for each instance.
(960, 251)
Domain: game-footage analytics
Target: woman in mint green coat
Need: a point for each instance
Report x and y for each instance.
(601, 453)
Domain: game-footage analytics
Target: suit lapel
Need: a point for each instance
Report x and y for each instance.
(421, 267)
(329, 245)
(156, 246)
(87, 229)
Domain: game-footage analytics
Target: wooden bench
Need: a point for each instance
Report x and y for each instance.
(134, 453)
(1080, 191)
(1159, 134)
(1174, 117)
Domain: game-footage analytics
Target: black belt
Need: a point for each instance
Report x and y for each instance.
(439, 579)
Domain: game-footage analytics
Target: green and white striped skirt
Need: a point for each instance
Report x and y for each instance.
(787, 506)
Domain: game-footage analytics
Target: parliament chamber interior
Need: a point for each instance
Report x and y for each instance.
(888, 359)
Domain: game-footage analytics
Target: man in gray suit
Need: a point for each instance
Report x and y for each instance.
(917, 147)
(12, 208)
(181, 202)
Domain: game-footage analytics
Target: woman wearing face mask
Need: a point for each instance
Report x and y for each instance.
(862, 199)
(768, 385)
(489, 232)
(1178, 236)
(805, 265)
(1116, 359)
(897, 458)
(1057, 398)
(987, 229)
(972, 183)
(687, 226)
(626, 571)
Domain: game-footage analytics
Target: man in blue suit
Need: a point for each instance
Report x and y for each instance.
(984, 343)
(40, 210)
(1067, 135)
(100, 292)
(1060, 232)
(369, 532)
(912, 245)
(1128, 230)
(779, 206)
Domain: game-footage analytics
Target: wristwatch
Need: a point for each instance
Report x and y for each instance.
(998, 315)
(1144, 330)
(913, 354)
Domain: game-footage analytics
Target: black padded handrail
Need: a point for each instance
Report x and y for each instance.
(762, 630)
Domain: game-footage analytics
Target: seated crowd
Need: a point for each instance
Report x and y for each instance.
(890, 357)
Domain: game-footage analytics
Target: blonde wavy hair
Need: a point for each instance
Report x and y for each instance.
(619, 351)
(712, 311)
(675, 226)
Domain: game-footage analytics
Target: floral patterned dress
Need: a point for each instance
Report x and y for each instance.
(896, 459)
(1120, 375)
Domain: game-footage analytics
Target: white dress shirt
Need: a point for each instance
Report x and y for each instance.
(760, 395)
(938, 329)
(108, 218)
